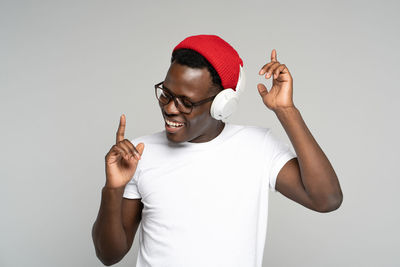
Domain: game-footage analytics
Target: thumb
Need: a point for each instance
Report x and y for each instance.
(262, 89)
(140, 148)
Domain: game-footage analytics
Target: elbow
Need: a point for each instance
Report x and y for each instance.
(108, 256)
(103, 252)
(332, 203)
(107, 261)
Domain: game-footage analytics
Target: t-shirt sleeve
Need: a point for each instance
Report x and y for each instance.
(279, 154)
(131, 189)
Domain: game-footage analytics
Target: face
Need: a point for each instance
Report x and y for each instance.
(195, 84)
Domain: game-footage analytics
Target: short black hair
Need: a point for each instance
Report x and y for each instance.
(193, 59)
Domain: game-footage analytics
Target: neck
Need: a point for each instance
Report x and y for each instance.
(217, 129)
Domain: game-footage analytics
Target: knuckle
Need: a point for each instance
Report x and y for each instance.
(129, 144)
(120, 148)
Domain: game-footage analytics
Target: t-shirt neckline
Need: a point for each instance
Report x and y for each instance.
(191, 145)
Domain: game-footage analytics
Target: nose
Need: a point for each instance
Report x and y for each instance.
(171, 108)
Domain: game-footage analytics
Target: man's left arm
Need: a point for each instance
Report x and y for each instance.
(309, 179)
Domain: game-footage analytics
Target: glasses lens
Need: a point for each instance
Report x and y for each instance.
(163, 96)
(183, 105)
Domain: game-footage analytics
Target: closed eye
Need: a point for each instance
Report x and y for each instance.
(185, 100)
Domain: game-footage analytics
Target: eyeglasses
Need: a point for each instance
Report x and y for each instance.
(182, 103)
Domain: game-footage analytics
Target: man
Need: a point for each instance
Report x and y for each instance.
(200, 188)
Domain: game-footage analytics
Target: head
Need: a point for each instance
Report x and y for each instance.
(192, 75)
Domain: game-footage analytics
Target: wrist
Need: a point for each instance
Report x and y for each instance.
(111, 200)
(113, 190)
(285, 111)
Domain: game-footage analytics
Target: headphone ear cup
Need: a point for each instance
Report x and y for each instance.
(224, 104)
(227, 101)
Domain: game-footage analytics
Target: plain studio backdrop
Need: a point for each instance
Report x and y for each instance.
(69, 69)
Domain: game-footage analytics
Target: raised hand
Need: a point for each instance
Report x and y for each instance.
(280, 96)
(122, 159)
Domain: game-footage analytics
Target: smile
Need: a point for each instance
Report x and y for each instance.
(173, 124)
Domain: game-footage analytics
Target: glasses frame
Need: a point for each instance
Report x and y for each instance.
(175, 97)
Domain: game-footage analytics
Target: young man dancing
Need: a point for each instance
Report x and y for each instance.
(200, 187)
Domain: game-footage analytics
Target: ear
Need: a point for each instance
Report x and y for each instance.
(215, 89)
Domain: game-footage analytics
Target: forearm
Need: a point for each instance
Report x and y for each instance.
(317, 174)
(108, 233)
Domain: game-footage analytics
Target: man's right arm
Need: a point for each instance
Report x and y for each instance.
(116, 225)
(118, 218)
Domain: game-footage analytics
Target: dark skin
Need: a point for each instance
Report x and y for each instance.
(195, 84)
(119, 218)
(308, 179)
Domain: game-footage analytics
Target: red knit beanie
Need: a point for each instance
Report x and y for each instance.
(221, 55)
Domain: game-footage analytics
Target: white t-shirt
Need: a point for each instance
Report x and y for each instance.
(206, 204)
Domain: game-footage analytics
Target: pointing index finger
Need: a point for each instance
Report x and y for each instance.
(121, 129)
(273, 56)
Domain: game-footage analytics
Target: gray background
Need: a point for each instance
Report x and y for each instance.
(68, 69)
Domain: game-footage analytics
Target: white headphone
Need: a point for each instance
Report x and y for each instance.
(227, 101)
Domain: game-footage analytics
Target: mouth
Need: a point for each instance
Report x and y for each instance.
(173, 126)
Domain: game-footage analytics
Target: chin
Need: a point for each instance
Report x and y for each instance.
(175, 138)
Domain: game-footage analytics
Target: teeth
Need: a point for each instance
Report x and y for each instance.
(174, 124)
